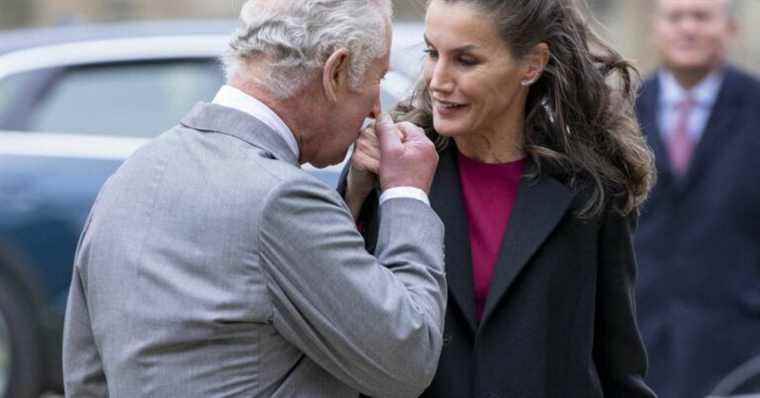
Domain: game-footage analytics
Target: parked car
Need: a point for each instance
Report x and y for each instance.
(742, 382)
(76, 101)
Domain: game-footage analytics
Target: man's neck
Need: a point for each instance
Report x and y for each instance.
(689, 79)
(295, 111)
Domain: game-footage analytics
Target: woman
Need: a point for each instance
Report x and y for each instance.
(542, 169)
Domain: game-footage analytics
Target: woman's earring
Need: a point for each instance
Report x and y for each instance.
(526, 83)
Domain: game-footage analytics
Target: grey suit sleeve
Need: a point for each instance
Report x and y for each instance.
(83, 375)
(374, 323)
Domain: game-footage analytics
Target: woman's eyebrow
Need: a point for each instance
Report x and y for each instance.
(465, 48)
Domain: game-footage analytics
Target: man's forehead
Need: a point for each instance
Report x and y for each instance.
(689, 5)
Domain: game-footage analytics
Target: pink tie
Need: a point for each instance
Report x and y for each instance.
(680, 143)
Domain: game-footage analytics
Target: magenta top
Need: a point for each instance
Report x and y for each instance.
(488, 191)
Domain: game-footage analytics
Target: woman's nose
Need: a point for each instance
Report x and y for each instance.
(440, 77)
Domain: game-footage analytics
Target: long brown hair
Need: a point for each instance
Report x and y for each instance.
(580, 124)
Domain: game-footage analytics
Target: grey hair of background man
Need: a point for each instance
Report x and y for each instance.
(731, 8)
(294, 38)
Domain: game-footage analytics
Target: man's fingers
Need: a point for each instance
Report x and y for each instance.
(411, 132)
(387, 133)
(362, 161)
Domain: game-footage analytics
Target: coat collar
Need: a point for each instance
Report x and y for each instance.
(540, 205)
(538, 209)
(446, 199)
(207, 117)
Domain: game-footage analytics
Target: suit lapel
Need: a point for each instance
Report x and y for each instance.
(717, 130)
(539, 207)
(649, 114)
(446, 200)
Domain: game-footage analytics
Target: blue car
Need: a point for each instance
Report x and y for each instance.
(74, 103)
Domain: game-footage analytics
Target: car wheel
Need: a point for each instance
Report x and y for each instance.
(20, 351)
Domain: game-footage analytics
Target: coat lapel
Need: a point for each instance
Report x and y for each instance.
(539, 207)
(718, 129)
(446, 200)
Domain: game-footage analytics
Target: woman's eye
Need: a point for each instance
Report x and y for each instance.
(431, 53)
(468, 61)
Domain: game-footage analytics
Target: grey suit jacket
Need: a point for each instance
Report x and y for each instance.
(211, 265)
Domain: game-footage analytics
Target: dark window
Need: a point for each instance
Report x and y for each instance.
(124, 99)
(9, 89)
(15, 90)
(127, 99)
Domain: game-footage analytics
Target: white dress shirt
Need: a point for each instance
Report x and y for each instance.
(672, 94)
(233, 98)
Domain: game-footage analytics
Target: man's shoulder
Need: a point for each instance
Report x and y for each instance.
(740, 74)
(648, 89)
(742, 82)
(185, 159)
(650, 79)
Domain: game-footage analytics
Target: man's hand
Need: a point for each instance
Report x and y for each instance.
(409, 162)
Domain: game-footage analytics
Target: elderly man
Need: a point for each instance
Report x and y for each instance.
(698, 242)
(213, 266)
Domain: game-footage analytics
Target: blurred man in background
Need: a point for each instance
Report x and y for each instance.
(699, 236)
(212, 265)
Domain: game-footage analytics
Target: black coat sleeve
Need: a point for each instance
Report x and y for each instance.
(619, 351)
(369, 216)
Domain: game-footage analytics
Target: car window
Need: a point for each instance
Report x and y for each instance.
(11, 90)
(136, 99)
(130, 99)
(8, 89)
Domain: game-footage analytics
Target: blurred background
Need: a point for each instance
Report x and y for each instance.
(76, 100)
(626, 21)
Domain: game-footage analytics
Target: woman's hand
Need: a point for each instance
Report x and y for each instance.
(362, 175)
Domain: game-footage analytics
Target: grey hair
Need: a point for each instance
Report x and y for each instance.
(296, 37)
(731, 8)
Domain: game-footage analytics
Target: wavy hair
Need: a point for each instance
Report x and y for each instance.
(580, 124)
(297, 36)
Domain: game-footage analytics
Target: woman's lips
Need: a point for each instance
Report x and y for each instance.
(446, 108)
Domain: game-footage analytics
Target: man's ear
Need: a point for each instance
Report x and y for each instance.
(335, 74)
(535, 63)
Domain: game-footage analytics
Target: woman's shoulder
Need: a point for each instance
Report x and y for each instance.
(592, 200)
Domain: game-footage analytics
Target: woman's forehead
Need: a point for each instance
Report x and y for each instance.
(459, 24)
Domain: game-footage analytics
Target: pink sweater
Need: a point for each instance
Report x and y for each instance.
(489, 191)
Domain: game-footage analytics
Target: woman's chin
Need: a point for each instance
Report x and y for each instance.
(447, 129)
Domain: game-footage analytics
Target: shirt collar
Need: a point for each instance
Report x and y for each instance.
(704, 93)
(233, 98)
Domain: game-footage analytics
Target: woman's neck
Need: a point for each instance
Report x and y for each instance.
(502, 146)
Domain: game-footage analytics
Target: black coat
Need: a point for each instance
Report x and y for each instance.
(559, 319)
(698, 245)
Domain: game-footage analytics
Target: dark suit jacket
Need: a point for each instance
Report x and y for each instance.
(559, 320)
(698, 245)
